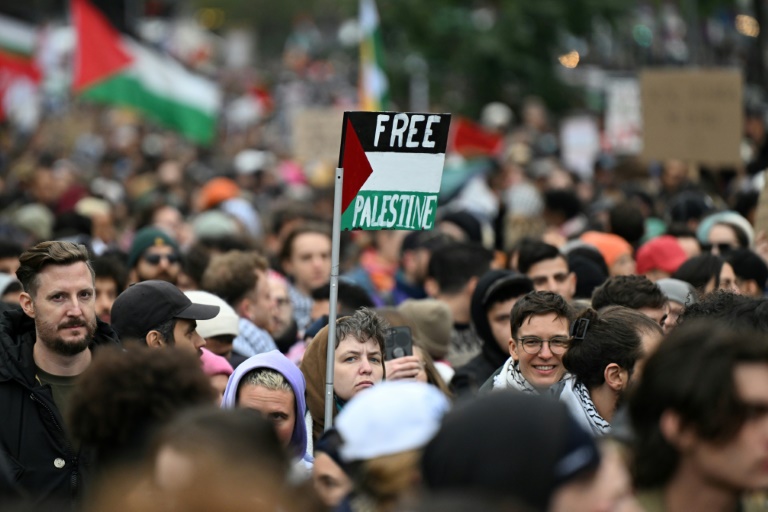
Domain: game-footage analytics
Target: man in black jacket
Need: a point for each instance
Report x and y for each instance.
(44, 347)
(495, 294)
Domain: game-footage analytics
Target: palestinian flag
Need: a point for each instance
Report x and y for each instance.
(20, 75)
(373, 87)
(114, 69)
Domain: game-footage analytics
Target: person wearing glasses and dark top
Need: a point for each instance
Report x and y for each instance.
(153, 255)
(540, 336)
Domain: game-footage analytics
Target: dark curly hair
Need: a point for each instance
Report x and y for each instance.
(729, 309)
(124, 395)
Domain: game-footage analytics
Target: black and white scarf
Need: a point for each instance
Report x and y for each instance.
(576, 396)
(511, 378)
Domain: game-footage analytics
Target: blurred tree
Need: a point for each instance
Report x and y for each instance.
(478, 51)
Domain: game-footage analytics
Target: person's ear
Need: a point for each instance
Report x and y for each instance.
(243, 308)
(471, 285)
(431, 287)
(674, 432)
(513, 349)
(154, 339)
(27, 304)
(572, 283)
(616, 377)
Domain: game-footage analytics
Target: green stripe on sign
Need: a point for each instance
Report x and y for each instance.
(371, 210)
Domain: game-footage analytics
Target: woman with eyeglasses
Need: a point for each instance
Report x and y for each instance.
(605, 348)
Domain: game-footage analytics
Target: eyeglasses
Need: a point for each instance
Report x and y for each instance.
(154, 259)
(722, 248)
(533, 344)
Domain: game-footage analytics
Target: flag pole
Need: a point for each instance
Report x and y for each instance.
(333, 298)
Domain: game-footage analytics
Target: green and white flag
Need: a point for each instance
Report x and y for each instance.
(393, 167)
(115, 69)
(373, 87)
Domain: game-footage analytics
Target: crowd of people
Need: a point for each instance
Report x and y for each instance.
(571, 343)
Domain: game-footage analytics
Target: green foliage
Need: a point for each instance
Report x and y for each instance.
(477, 51)
(473, 62)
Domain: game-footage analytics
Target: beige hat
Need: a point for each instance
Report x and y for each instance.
(434, 320)
(226, 322)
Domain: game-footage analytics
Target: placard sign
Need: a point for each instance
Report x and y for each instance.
(393, 166)
(693, 115)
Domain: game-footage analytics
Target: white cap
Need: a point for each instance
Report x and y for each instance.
(226, 322)
(390, 418)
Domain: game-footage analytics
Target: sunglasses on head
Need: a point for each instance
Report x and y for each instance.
(154, 259)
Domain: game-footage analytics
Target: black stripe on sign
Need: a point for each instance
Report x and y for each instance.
(401, 132)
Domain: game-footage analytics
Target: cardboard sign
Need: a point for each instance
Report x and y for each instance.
(316, 136)
(692, 115)
(393, 166)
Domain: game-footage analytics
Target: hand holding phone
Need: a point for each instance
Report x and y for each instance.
(398, 342)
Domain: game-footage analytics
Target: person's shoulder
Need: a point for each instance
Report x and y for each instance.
(488, 384)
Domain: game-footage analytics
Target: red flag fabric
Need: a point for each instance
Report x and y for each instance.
(100, 52)
(471, 139)
(16, 71)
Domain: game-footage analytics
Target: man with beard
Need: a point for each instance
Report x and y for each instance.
(44, 347)
(153, 255)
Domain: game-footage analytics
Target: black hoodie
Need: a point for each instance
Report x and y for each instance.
(494, 286)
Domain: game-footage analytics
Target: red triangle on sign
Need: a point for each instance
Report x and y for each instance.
(356, 166)
(99, 53)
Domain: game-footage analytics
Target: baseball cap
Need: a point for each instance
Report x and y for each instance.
(225, 322)
(661, 253)
(144, 306)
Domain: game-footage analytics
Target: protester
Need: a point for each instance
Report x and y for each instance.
(124, 397)
(240, 278)
(330, 481)
(495, 295)
(452, 276)
(540, 336)
(305, 258)
(601, 359)
(616, 251)
(634, 292)
(156, 314)
(218, 370)
(707, 273)
(153, 255)
(111, 280)
(699, 420)
(383, 431)
(219, 331)
(660, 258)
(273, 385)
(358, 363)
(557, 468)
(679, 296)
(434, 321)
(284, 331)
(751, 271)
(232, 455)
(45, 347)
(547, 268)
